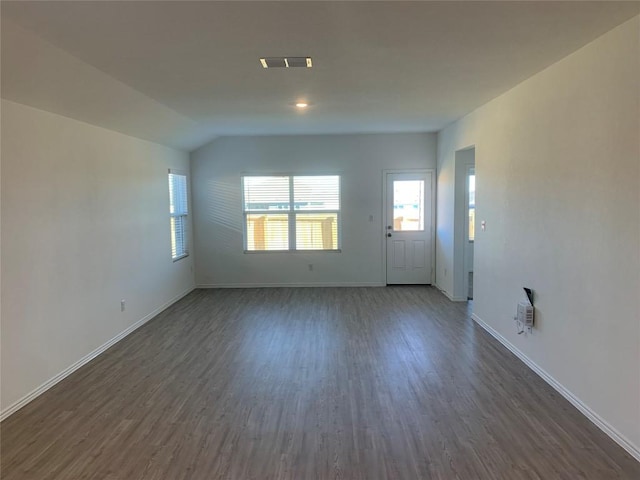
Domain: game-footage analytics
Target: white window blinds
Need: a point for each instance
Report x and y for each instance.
(291, 212)
(178, 211)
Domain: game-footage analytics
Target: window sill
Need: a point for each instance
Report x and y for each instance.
(292, 251)
(180, 257)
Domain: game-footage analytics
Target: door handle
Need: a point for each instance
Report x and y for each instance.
(388, 234)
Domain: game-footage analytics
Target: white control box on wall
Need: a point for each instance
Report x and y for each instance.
(525, 314)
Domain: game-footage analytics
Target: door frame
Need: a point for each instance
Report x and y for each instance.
(462, 162)
(466, 261)
(431, 172)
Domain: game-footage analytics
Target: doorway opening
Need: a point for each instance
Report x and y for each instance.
(470, 233)
(464, 224)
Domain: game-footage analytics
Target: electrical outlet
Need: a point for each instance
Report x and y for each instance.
(311, 267)
(122, 305)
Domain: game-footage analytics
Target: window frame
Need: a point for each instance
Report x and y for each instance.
(183, 215)
(291, 213)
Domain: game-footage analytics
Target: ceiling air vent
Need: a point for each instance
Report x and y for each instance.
(286, 62)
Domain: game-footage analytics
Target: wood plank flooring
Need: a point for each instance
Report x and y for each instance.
(327, 383)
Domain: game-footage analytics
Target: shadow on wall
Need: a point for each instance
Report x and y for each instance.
(224, 220)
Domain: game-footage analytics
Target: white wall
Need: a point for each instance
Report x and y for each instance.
(38, 74)
(558, 182)
(84, 224)
(360, 159)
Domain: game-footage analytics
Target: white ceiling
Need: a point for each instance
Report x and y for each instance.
(181, 73)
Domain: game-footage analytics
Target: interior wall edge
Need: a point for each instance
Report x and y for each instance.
(449, 296)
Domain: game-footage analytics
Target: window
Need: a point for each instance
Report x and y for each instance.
(472, 205)
(286, 213)
(178, 211)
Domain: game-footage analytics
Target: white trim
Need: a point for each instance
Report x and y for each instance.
(180, 257)
(449, 296)
(11, 409)
(303, 284)
(601, 423)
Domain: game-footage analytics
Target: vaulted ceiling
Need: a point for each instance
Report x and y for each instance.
(181, 73)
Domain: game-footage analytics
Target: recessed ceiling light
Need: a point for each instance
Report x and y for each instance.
(302, 105)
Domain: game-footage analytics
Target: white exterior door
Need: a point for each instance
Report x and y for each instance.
(409, 227)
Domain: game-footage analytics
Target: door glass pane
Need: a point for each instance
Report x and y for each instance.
(408, 205)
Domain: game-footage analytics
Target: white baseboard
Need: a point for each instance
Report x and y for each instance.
(602, 424)
(11, 409)
(275, 285)
(453, 299)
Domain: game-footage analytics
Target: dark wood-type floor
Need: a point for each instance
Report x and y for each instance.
(351, 383)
